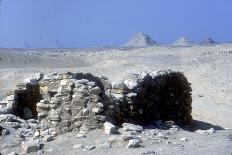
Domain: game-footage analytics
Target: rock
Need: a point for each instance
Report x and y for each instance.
(12, 124)
(5, 132)
(127, 137)
(133, 143)
(132, 127)
(131, 95)
(131, 84)
(11, 98)
(78, 146)
(90, 147)
(148, 152)
(97, 110)
(109, 128)
(209, 132)
(12, 153)
(83, 81)
(80, 135)
(7, 118)
(105, 145)
(31, 146)
(119, 97)
(116, 85)
(64, 82)
(96, 90)
(27, 113)
(85, 112)
(184, 139)
(48, 138)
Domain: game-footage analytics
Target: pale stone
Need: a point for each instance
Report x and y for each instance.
(48, 138)
(130, 83)
(97, 110)
(133, 143)
(80, 135)
(132, 127)
(31, 146)
(109, 128)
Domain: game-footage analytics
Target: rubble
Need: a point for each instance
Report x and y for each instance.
(31, 146)
(133, 143)
(47, 105)
(109, 128)
(132, 127)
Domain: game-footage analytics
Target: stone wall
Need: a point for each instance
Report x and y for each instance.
(70, 101)
(142, 98)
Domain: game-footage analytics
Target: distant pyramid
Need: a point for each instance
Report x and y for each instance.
(141, 40)
(183, 42)
(207, 41)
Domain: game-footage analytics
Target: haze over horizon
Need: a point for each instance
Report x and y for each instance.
(86, 23)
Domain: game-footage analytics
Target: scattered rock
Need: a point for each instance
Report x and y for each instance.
(148, 152)
(132, 127)
(133, 143)
(12, 153)
(184, 139)
(80, 135)
(48, 138)
(105, 145)
(209, 132)
(78, 146)
(31, 145)
(109, 128)
(89, 147)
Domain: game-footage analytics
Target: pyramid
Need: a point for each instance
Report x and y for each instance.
(141, 40)
(207, 41)
(183, 42)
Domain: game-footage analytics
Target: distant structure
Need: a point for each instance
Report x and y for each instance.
(207, 41)
(141, 40)
(26, 44)
(183, 42)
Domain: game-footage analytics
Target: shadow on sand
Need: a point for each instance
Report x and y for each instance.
(200, 125)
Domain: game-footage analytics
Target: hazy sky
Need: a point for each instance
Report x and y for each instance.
(83, 23)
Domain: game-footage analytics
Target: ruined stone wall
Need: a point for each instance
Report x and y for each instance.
(69, 101)
(142, 98)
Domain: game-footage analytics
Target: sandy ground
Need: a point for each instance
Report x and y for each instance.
(208, 68)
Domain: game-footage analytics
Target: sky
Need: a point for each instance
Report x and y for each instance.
(90, 23)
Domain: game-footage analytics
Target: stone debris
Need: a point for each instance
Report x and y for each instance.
(44, 106)
(133, 143)
(31, 145)
(48, 138)
(209, 132)
(105, 145)
(12, 153)
(80, 135)
(184, 139)
(109, 128)
(132, 127)
(148, 152)
(78, 146)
